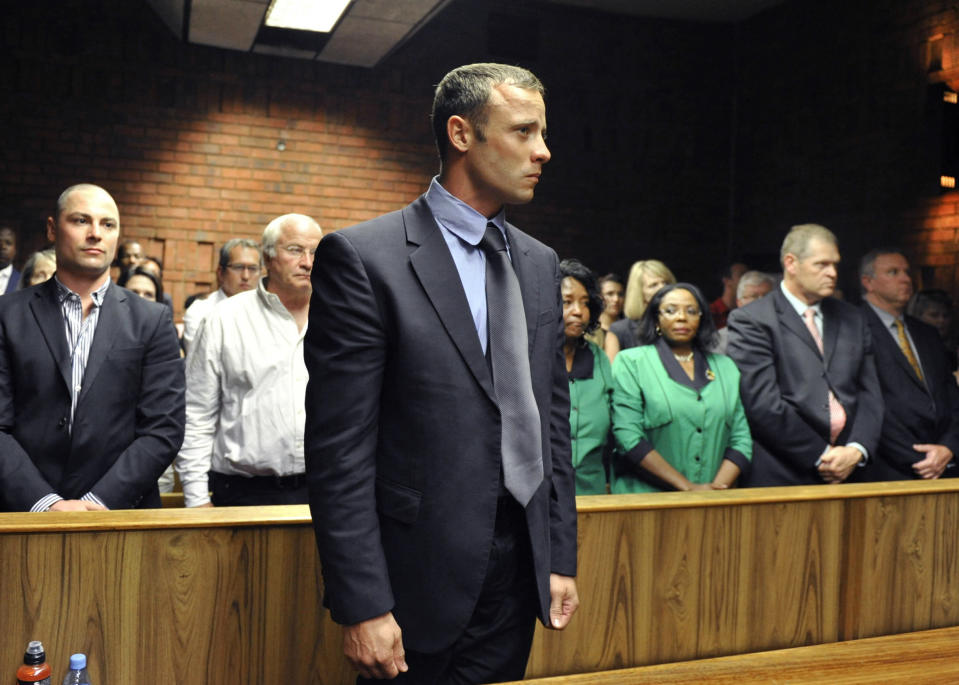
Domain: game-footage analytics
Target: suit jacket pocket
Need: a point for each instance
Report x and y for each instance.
(119, 353)
(397, 501)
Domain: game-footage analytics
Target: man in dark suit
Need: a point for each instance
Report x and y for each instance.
(432, 558)
(9, 277)
(920, 427)
(91, 381)
(809, 381)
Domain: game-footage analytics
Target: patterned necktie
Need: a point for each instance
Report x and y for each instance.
(907, 348)
(837, 415)
(521, 442)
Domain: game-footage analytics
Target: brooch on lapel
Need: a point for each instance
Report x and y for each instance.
(710, 376)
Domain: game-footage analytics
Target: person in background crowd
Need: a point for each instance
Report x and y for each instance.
(611, 287)
(590, 377)
(9, 277)
(809, 380)
(142, 282)
(101, 440)
(677, 415)
(645, 280)
(129, 255)
(39, 267)
(920, 427)
(155, 266)
(437, 567)
(752, 286)
(725, 303)
(246, 382)
(238, 271)
(934, 307)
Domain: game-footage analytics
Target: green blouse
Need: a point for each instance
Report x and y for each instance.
(694, 425)
(590, 399)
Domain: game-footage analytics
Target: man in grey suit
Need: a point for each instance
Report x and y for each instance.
(809, 381)
(91, 380)
(433, 559)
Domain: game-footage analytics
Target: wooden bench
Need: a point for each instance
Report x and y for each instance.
(921, 657)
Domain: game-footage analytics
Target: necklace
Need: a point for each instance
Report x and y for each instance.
(684, 357)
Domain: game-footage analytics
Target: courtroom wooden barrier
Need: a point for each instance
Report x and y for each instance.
(916, 658)
(232, 595)
(681, 576)
(201, 596)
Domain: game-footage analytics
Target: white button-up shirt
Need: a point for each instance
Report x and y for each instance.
(245, 394)
(196, 312)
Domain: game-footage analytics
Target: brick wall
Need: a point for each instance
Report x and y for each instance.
(185, 137)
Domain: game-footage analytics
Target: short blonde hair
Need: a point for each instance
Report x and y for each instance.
(633, 303)
(797, 240)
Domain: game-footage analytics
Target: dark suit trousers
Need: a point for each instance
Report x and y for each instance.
(495, 645)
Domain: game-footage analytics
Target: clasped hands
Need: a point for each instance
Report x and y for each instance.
(838, 463)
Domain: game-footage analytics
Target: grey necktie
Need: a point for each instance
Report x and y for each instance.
(508, 346)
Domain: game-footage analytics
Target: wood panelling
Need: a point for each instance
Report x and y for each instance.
(921, 657)
(233, 595)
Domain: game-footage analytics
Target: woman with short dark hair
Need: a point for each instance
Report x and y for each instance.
(590, 377)
(677, 415)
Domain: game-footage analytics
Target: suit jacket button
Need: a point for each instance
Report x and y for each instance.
(62, 422)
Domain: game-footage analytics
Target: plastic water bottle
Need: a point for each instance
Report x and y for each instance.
(77, 675)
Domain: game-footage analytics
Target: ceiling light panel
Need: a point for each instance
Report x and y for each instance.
(305, 15)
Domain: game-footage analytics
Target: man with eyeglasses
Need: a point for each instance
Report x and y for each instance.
(237, 272)
(246, 379)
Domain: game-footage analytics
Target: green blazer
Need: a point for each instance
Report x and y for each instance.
(693, 430)
(590, 406)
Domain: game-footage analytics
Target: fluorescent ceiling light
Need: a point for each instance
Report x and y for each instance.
(305, 15)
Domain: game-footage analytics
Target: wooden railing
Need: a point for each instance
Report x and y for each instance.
(233, 595)
(917, 658)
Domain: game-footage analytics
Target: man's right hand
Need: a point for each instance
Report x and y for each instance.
(76, 505)
(375, 647)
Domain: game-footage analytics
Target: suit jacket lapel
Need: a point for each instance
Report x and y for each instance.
(111, 311)
(525, 274)
(831, 323)
(793, 321)
(49, 317)
(436, 271)
(882, 339)
(924, 353)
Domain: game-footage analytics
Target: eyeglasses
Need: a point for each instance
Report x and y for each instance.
(298, 250)
(672, 312)
(243, 268)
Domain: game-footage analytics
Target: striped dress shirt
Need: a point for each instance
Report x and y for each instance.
(79, 332)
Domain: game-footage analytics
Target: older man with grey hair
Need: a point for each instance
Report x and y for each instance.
(246, 382)
(752, 286)
(238, 271)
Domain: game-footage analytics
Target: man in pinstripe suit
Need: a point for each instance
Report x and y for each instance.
(91, 380)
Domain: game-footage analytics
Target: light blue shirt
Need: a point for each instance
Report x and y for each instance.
(463, 228)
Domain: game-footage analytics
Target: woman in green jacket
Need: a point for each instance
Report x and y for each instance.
(677, 415)
(590, 377)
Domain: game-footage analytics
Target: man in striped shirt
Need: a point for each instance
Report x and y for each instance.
(91, 380)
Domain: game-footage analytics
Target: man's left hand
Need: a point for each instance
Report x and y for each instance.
(935, 461)
(564, 600)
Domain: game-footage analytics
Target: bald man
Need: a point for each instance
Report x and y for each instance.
(91, 380)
